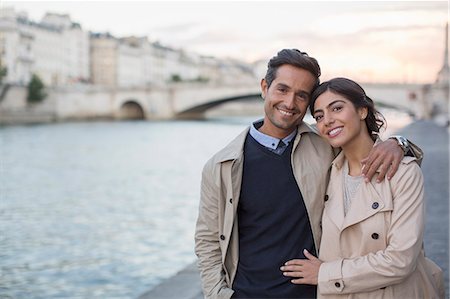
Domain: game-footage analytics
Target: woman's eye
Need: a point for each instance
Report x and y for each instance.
(337, 108)
(318, 117)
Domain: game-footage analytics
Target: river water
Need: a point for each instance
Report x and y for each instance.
(102, 209)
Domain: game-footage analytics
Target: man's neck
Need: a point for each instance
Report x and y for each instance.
(274, 131)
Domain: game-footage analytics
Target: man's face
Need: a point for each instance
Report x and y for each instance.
(286, 100)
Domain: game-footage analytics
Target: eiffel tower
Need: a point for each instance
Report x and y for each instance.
(435, 97)
(443, 76)
(440, 110)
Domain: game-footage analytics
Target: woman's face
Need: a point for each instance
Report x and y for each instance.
(338, 121)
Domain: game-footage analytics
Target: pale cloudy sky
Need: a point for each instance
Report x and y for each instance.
(391, 41)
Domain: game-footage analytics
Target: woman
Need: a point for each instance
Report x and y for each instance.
(372, 240)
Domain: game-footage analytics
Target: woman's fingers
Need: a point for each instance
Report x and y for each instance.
(308, 255)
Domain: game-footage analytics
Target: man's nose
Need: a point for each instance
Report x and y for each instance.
(290, 101)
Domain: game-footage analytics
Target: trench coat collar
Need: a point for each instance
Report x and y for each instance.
(368, 200)
(235, 148)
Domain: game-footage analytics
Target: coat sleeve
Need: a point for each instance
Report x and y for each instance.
(404, 243)
(207, 247)
(415, 151)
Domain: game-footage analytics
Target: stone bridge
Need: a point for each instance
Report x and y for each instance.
(177, 101)
(170, 102)
(193, 100)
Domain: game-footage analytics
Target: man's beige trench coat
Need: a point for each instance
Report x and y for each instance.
(216, 236)
(376, 250)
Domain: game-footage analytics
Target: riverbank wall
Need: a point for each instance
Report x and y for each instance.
(433, 139)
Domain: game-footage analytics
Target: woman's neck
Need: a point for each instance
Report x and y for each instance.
(355, 151)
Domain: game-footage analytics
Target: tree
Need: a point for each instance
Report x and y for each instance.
(3, 72)
(176, 78)
(201, 79)
(36, 91)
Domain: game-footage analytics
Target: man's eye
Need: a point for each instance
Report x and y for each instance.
(318, 117)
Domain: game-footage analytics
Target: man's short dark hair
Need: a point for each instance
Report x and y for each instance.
(295, 58)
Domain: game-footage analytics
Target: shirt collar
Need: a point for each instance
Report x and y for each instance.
(266, 140)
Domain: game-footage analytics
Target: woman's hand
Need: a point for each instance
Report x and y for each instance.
(305, 271)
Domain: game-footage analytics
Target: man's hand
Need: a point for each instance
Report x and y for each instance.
(306, 271)
(386, 157)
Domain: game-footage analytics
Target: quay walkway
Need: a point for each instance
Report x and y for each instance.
(434, 141)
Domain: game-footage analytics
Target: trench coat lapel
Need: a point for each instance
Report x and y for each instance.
(236, 180)
(336, 199)
(230, 159)
(366, 202)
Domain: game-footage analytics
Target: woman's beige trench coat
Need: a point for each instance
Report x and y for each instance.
(376, 250)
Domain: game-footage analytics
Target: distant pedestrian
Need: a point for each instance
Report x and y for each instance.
(372, 240)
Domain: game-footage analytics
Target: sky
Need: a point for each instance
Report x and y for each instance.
(370, 41)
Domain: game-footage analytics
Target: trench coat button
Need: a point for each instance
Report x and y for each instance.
(375, 236)
(337, 284)
(231, 200)
(222, 237)
(375, 205)
(326, 197)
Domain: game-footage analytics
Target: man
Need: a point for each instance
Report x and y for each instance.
(262, 195)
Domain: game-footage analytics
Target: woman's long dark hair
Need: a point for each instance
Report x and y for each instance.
(355, 94)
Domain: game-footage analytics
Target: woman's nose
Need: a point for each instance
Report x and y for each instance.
(328, 119)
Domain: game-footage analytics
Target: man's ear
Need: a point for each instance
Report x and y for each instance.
(263, 88)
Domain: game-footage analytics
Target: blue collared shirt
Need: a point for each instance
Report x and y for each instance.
(270, 142)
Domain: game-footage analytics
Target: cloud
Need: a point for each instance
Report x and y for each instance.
(180, 27)
(383, 29)
(216, 36)
(409, 6)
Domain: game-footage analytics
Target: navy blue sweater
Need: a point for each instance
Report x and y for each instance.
(273, 225)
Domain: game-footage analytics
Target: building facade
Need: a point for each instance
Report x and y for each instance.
(103, 59)
(16, 49)
(55, 49)
(61, 53)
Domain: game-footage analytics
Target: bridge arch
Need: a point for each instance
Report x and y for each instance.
(131, 109)
(199, 110)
